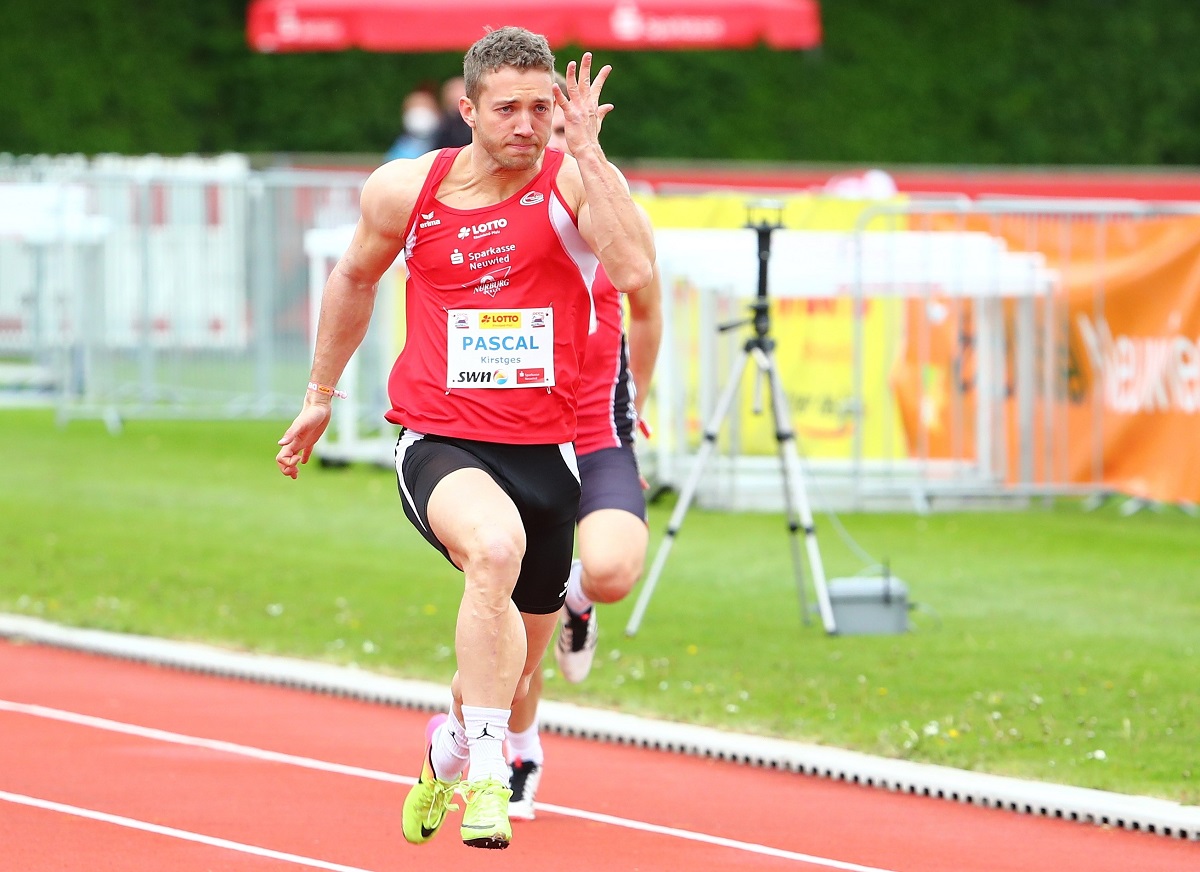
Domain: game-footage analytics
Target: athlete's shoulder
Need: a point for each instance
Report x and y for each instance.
(391, 191)
(568, 179)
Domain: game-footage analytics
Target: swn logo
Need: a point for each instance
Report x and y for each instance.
(477, 377)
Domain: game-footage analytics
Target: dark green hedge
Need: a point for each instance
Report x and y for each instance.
(897, 81)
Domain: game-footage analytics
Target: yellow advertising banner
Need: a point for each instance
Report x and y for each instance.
(814, 340)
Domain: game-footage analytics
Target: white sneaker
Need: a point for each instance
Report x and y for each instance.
(523, 781)
(576, 646)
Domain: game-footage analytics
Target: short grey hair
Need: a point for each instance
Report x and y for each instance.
(507, 47)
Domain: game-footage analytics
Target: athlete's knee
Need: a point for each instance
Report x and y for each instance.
(610, 577)
(495, 551)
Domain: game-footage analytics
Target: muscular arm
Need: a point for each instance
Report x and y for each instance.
(349, 296)
(612, 224)
(644, 334)
(387, 200)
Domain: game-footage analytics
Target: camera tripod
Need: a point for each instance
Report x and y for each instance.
(764, 219)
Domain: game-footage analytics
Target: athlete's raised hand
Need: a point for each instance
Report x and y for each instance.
(583, 113)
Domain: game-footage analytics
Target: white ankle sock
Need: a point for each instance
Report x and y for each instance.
(576, 601)
(486, 729)
(526, 745)
(448, 750)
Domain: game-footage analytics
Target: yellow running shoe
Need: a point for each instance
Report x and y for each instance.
(485, 822)
(426, 805)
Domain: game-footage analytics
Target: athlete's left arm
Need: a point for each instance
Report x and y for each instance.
(613, 225)
(644, 335)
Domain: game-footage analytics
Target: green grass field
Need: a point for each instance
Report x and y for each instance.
(1051, 643)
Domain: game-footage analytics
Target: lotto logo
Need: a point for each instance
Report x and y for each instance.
(499, 320)
(487, 228)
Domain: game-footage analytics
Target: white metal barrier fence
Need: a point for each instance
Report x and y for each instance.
(160, 287)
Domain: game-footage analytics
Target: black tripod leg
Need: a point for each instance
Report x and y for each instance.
(711, 432)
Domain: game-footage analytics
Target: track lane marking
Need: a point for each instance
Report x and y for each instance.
(185, 835)
(376, 775)
(705, 838)
(197, 742)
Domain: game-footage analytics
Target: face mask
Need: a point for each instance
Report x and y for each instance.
(420, 121)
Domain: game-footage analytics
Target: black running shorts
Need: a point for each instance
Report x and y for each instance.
(611, 480)
(541, 480)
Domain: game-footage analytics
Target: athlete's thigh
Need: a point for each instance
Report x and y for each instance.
(422, 464)
(547, 496)
(610, 479)
(468, 505)
(612, 521)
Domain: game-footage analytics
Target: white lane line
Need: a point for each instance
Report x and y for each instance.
(186, 836)
(376, 775)
(690, 836)
(196, 742)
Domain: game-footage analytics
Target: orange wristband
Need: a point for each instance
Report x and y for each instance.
(326, 389)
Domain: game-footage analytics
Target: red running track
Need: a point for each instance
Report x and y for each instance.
(112, 765)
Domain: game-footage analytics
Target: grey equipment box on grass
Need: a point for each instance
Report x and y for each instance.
(868, 606)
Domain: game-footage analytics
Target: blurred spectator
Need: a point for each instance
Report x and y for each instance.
(420, 116)
(453, 130)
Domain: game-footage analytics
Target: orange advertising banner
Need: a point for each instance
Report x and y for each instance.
(1128, 415)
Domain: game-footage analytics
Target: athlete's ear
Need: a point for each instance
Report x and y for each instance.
(467, 110)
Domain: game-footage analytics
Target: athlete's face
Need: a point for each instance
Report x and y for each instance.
(512, 116)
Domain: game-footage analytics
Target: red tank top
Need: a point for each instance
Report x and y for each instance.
(491, 294)
(606, 392)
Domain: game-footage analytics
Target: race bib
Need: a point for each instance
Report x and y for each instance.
(500, 348)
